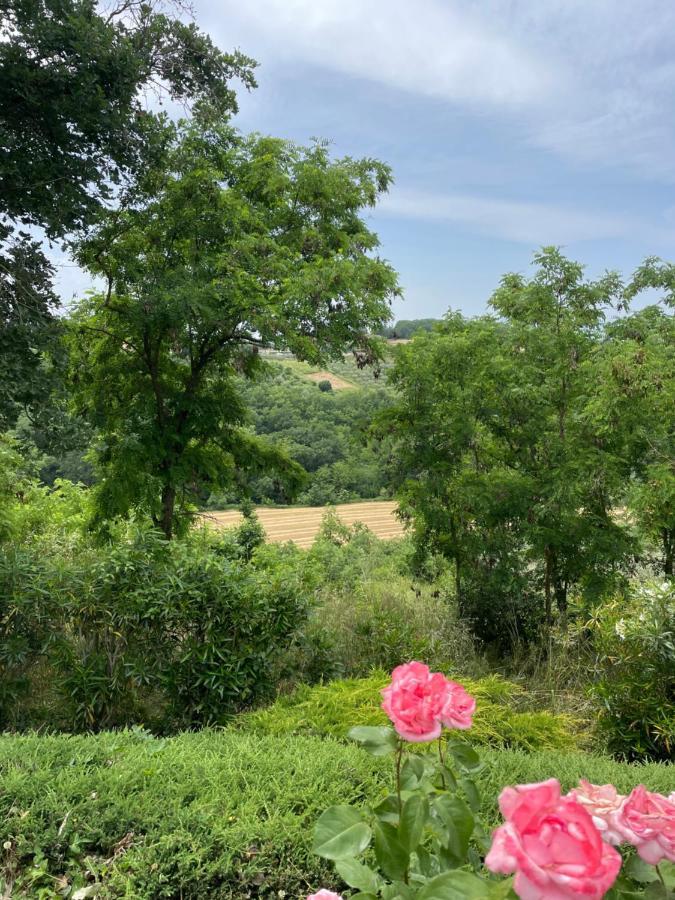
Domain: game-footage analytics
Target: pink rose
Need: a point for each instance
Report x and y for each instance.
(323, 894)
(602, 802)
(647, 821)
(551, 844)
(414, 701)
(458, 708)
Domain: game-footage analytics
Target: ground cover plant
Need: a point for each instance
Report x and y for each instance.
(429, 843)
(215, 814)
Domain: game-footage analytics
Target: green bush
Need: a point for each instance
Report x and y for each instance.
(330, 710)
(214, 815)
(635, 644)
(382, 623)
(171, 634)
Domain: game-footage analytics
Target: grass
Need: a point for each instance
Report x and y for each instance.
(330, 710)
(214, 814)
(345, 369)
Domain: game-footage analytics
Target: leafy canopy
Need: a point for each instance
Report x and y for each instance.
(239, 242)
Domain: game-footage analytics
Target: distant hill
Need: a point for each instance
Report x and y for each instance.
(406, 328)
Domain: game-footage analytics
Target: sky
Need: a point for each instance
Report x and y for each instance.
(508, 125)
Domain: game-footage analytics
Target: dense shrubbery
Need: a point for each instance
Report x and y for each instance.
(330, 710)
(211, 815)
(634, 640)
(172, 634)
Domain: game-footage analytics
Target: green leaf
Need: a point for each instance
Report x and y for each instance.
(390, 852)
(464, 755)
(455, 885)
(640, 871)
(471, 792)
(387, 810)
(412, 772)
(357, 875)
(379, 740)
(458, 822)
(413, 819)
(340, 832)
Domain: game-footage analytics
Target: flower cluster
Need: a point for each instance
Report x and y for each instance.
(562, 846)
(420, 702)
(558, 847)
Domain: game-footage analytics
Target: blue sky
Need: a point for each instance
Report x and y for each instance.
(508, 125)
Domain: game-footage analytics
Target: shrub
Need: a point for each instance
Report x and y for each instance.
(171, 634)
(382, 623)
(332, 709)
(215, 815)
(635, 644)
(325, 386)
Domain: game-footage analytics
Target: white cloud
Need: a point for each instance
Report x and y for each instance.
(428, 47)
(528, 223)
(590, 80)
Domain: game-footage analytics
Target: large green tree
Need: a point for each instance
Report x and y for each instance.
(504, 469)
(241, 242)
(76, 129)
(74, 116)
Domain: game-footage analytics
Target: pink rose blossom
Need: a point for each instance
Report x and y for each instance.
(647, 821)
(419, 702)
(551, 844)
(603, 802)
(458, 708)
(323, 894)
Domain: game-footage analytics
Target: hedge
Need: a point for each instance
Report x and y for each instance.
(214, 814)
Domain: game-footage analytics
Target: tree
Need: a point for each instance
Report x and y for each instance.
(240, 242)
(633, 401)
(503, 469)
(73, 117)
(27, 326)
(75, 129)
(555, 322)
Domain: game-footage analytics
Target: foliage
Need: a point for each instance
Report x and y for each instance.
(325, 386)
(634, 638)
(72, 82)
(327, 435)
(383, 622)
(428, 837)
(139, 630)
(332, 709)
(633, 395)
(28, 326)
(240, 242)
(502, 468)
(406, 328)
(213, 814)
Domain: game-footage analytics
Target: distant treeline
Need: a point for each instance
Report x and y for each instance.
(405, 328)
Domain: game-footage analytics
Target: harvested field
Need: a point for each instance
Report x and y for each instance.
(301, 523)
(337, 383)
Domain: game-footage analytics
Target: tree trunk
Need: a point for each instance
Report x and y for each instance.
(668, 552)
(168, 504)
(548, 556)
(560, 589)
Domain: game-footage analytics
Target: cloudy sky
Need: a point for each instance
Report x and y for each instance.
(509, 124)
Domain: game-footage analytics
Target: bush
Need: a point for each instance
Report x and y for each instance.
(171, 634)
(325, 386)
(635, 644)
(330, 710)
(214, 815)
(383, 623)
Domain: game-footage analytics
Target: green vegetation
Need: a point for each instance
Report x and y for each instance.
(211, 814)
(176, 700)
(325, 432)
(331, 710)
